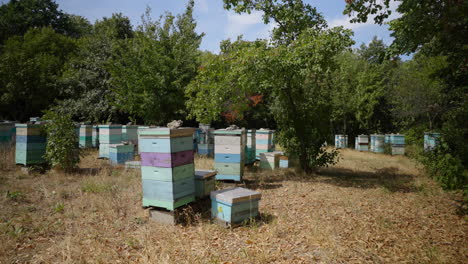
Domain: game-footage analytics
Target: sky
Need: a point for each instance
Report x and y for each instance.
(217, 23)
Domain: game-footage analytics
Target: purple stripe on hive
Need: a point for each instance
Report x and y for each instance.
(166, 160)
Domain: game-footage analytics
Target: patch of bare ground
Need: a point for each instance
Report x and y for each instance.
(368, 208)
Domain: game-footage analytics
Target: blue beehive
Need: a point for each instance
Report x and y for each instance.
(431, 140)
(31, 144)
(86, 136)
(398, 144)
(263, 141)
(95, 137)
(341, 141)
(120, 153)
(230, 154)
(250, 147)
(7, 133)
(204, 183)
(233, 206)
(108, 134)
(167, 167)
(362, 143)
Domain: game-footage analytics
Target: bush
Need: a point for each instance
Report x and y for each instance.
(62, 147)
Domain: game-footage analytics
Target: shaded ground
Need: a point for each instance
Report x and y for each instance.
(368, 209)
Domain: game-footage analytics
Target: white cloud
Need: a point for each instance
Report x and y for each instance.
(202, 5)
(239, 24)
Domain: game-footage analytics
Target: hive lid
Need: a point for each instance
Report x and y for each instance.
(167, 132)
(204, 174)
(110, 126)
(235, 195)
(229, 132)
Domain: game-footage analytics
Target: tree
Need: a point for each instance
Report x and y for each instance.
(290, 16)
(86, 79)
(29, 69)
(374, 52)
(151, 70)
(18, 16)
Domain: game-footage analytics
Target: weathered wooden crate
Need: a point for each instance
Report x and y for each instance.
(204, 183)
(30, 144)
(263, 141)
(108, 134)
(86, 136)
(230, 154)
(269, 160)
(234, 205)
(167, 167)
(120, 153)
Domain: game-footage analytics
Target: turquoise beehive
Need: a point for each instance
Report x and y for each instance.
(86, 136)
(108, 134)
(31, 144)
(230, 154)
(234, 206)
(250, 147)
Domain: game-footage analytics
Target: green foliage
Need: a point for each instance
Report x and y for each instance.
(59, 208)
(18, 16)
(62, 142)
(15, 195)
(151, 70)
(29, 69)
(86, 80)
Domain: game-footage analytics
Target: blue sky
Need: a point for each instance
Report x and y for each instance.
(217, 23)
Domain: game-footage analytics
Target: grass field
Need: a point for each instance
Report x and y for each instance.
(368, 208)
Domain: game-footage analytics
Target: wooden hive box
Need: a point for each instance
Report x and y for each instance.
(263, 141)
(167, 167)
(250, 147)
(86, 136)
(283, 160)
(108, 134)
(229, 154)
(398, 144)
(130, 134)
(95, 137)
(378, 143)
(120, 153)
(269, 160)
(6, 133)
(204, 183)
(31, 144)
(363, 143)
(140, 128)
(431, 140)
(206, 149)
(233, 206)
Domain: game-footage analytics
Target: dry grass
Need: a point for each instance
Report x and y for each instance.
(368, 209)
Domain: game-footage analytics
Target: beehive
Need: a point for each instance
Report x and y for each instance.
(250, 147)
(30, 144)
(95, 137)
(108, 134)
(120, 153)
(263, 141)
(234, 205)
(7, 135)
(229, 154)
(130, 134)
(205, 140)
(431, 140)
(341, 141)
(398, 144)
(363, 143)
(140, 128)
(269, 160)
(204, 183)
(283, 160)
(377, 143)
(86, 136)
(167, 167)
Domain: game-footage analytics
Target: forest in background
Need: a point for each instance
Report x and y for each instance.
(306, 81)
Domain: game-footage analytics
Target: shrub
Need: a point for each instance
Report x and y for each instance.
(62, 147)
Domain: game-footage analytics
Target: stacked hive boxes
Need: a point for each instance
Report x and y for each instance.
(398, 144)
(167, 167)
(108, 134)
(230, 154)
(362, 143)
(140, 128)
(250, 154)
(6, 133)
(30, 144)
(341, 141)
(234, 205)
(269, 160)
(95, 137)
(86, 136)
(205, 140)
(263, 141)
(204, 183)
(120, 153)
(130, 134)
(431, 140)
(377, 143)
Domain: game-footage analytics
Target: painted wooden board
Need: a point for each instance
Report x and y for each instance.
(228, 149)
(229, 132)
(236, 213)
(168, 191)
(235, 195)
(168, 174)
(284, 164)
(121, 148)
(95, 137)
(166, 145)
(204, 186)
(227, 140)
(29, 157)
(363, 139)
(30, 139)
(204, 174)
(103, 150)
(167, 160)
(169, 205)
(229, 168)
(229, 158)
(228, 177)
(30, 146)
(110, 139)
(120, 158)
(166, 132)
(397, 139)
(269, 160)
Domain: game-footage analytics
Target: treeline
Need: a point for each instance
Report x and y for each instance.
(306, 80)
